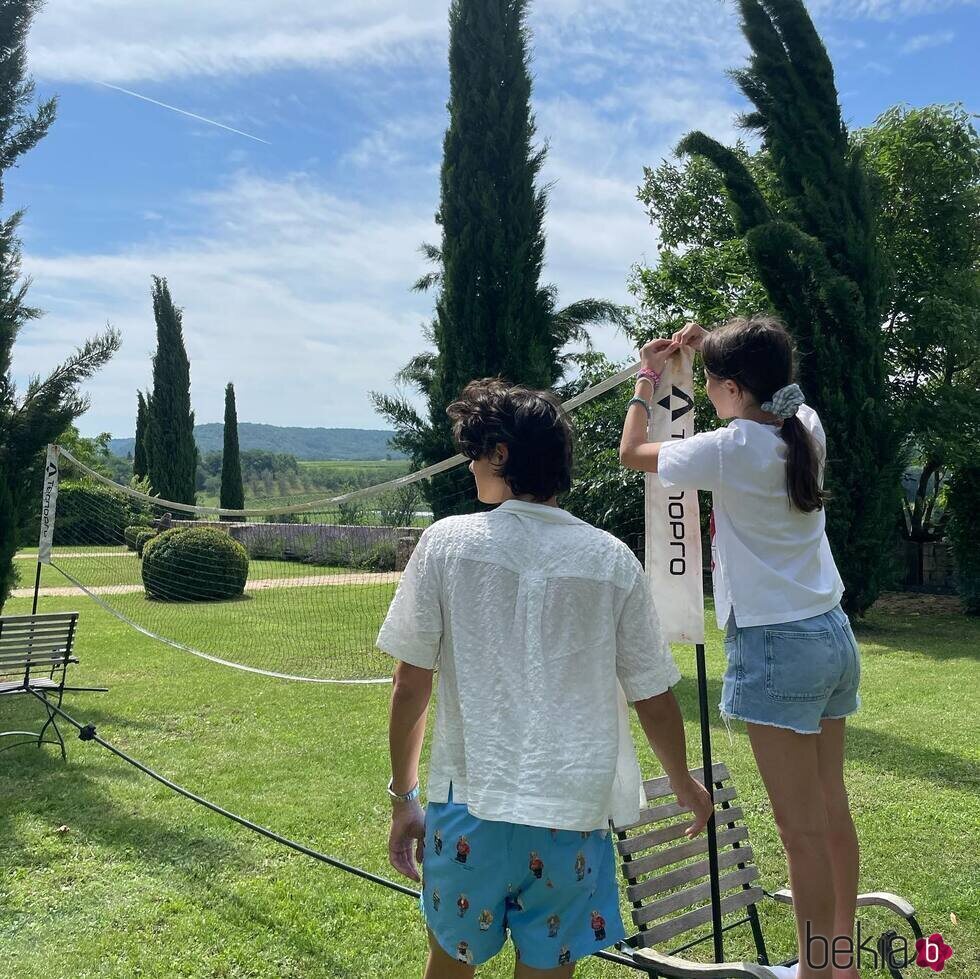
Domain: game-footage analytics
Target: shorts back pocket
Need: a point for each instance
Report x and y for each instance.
(800, 666)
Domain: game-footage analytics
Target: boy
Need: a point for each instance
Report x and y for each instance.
(542, 628)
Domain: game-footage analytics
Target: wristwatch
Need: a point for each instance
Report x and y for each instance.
(398, 797)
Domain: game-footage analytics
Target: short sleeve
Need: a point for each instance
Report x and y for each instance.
(693, 462)
(412, 629)
(644, 663)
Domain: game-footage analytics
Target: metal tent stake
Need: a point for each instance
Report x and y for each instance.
(716, 926)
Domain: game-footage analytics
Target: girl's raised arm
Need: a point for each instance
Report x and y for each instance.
(635, 452)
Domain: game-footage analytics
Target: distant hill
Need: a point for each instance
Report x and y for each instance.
(304, 443)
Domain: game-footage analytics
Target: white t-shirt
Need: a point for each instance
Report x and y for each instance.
(541, 627)
(772, 562)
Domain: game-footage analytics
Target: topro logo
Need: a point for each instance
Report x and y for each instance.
(670, 403)
(50, 488)
(679, 403)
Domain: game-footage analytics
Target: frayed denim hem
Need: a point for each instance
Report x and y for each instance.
(726, 717)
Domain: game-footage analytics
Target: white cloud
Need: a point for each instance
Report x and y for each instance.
(300, 298)
(923, 41)
(885, 9)
(120, 40)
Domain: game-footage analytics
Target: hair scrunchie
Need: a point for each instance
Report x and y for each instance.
(785, 402)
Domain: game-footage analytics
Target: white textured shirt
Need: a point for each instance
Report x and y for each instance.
(541, 627)
(772, 562)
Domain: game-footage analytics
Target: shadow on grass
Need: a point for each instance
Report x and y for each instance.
(39, 783)
(888, 753)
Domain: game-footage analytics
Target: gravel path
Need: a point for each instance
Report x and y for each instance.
(361, 578)
(67, 554)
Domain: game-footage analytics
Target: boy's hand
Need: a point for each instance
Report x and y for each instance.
(406, 841)
(656, 353)
(692, 335)
(692, 795)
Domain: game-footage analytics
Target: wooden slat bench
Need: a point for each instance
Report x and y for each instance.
(668, 884)
(35, 651)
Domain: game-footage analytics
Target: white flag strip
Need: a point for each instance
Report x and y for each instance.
(673, 529)
(49, 503)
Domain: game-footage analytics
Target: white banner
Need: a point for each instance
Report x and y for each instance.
(673, 529)
(49, 501)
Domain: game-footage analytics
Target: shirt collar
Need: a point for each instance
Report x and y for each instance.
(550, 514)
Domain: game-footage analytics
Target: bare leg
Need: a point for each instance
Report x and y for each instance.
(443, 966)
(522, 971)
(842, 838)
(789, 767)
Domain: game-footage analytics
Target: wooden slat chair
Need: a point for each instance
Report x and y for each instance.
(656, 842)
(35, 651)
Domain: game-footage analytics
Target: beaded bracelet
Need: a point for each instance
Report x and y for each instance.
(649, 374)
(640, 401)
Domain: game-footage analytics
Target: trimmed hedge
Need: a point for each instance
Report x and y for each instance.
(129, 535)
(89, 514)
(194, 565)
(143, 534)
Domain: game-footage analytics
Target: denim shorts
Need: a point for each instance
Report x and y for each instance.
(555, 891)
(792, 674)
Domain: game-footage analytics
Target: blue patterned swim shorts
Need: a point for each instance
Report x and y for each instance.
(554, 891)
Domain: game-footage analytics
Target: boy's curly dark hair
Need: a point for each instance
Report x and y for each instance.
(532, 424)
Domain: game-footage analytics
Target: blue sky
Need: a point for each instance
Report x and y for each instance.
(293, 257)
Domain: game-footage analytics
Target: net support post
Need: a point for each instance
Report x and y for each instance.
(707, 763)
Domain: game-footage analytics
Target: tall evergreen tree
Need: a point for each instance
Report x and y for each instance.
(141, 466)
(818, 259)
(48, 406)
(232, 488)
(172, 450)
(493, 317)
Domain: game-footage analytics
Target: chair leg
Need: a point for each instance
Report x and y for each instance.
(54, 725)
(762, 952)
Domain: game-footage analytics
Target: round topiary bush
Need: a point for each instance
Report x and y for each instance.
(194, 565)
(142, 535)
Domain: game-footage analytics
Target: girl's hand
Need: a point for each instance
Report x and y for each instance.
(692, 335)
(656, 353)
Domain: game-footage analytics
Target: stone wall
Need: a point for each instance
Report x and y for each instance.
(320, 543)
(929, 567)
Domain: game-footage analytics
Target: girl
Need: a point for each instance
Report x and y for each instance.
(793, 664)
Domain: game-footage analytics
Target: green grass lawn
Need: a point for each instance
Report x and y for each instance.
(144, 883)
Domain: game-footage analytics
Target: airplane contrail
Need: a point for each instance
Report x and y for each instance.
(183, 112)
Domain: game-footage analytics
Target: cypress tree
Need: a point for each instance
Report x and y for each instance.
(172, 450)
(140, 464)
(232, 489)
(492, 316)
(818, 260)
